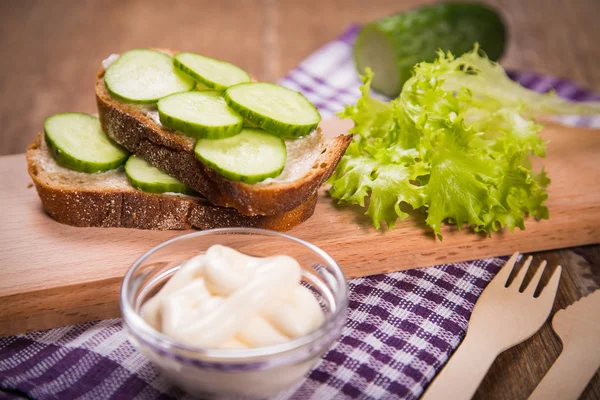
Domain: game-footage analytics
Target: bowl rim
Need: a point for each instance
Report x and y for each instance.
(144, 331)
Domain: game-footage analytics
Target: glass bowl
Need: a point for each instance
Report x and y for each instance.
(249, 373)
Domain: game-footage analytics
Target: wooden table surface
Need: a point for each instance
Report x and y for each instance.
(52, 49)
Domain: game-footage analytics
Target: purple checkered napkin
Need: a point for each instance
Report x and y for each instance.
(401, 327)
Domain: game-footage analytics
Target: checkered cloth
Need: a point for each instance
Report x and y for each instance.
(401, 327)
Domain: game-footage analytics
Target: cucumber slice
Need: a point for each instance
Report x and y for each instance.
(215, 74)
(77, 142)
(147, 178)
(200, 114)
(276, 109)
(393, 45)
(143, 76)
(252, 156)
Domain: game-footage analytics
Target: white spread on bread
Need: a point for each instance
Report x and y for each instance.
(154, 116)
(225, 299)
(302, 153)
(109, 60)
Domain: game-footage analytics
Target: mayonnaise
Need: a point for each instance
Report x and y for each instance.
(302, 153)
(224, 299)
(108, 61)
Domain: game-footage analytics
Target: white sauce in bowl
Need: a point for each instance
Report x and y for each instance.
(224, 299)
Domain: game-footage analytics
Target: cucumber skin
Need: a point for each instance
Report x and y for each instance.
(199, 131)
(267, 123)
(126, 99)
(205, 82)
(455, 27)
(150, 188)
(74, 164)
(196, 130)
(239, 177)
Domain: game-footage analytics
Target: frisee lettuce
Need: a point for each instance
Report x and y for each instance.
(456, 143)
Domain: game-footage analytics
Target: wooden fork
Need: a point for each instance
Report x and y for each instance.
(578, 327)
(503, 317)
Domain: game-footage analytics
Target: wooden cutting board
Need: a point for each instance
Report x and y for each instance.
(53, 274)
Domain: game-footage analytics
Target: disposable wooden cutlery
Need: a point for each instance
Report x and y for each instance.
(503, 317)
(578, 327)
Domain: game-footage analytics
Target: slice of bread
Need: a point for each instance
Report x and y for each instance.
(311, 160)
(108, 200)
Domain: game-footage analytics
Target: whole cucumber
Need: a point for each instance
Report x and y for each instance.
(393, 45)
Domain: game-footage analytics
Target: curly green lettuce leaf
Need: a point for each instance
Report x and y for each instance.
(521, 193)
(372, 117)
(488, 80)
(388, 177)
(459, 191)
(377, 122)
(456, 144)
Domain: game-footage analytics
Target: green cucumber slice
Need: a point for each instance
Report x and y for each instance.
(147, 178)
(201, 114)
(252, 156)
(274, 108)
(215, 74)
(143, 76)
(76, 141)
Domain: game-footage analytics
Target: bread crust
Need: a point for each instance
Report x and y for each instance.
(136, 209)
(167, 150)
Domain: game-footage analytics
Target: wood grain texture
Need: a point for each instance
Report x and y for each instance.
(55, 47)
(578, 327)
